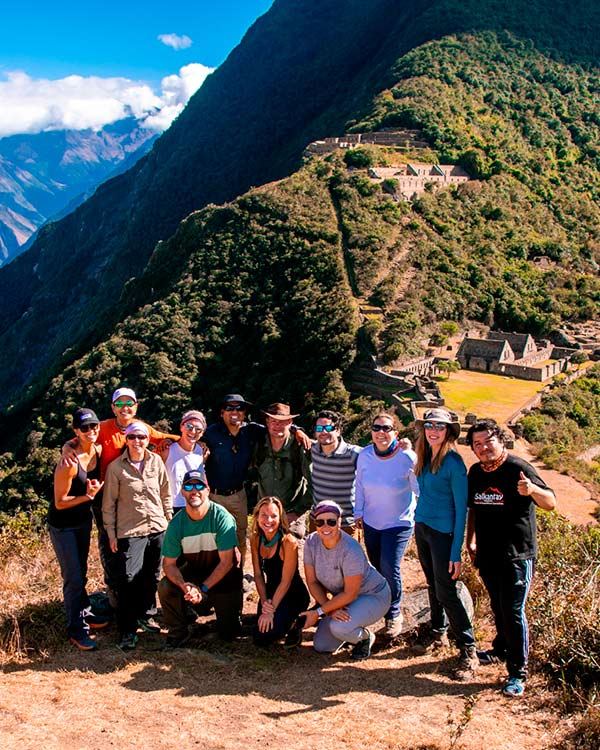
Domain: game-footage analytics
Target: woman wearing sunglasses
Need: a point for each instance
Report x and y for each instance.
(350, 594)
(385, 503)
(282, 592)
(136, 509)
(439, 533)
(70, 525)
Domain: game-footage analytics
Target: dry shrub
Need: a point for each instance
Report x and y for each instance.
(586, 734)
(564, 610)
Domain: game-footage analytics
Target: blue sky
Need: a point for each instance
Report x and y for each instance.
(104, 45)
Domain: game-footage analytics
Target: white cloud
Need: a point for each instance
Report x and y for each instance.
(30, 105)
(175, 41)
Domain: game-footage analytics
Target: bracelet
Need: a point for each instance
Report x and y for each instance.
(320, 612)
(204, 588)
(90, 497)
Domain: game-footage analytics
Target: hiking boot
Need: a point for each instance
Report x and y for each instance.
(489, 657)
(393, 626)
(85, 643)
(362, 650)
(176, 641)
(431, 642)
(467, 664)
(96, 622)
(128, 642)
(293, 637)
(148, 624)
(514, 687)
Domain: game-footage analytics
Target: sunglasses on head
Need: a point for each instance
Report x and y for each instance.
(120, 404)
(136, 437)
(325, 428)
(434, 426)
(382, 427)
(322, 521)
(192, 427)
(233, 407)
(189, 486)
(88, 427)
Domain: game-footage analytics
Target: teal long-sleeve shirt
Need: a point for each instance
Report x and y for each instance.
(442, 502)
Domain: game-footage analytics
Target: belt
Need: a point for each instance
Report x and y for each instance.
(226, 493)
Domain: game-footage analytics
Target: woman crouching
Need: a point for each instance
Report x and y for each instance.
(282, 592)
(349, 592)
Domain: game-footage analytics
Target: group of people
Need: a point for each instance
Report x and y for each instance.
(178, 503)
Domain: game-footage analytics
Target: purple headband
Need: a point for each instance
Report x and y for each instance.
(326, 506)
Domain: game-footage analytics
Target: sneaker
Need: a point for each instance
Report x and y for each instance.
(96, 622)
(467, 664)
(489, 657)
(176, 641)
(514, 688)
(431, 642)
(85, 643)
(148, 624)
(293, 637)
(393, 626)
(362, 650)
(128, 642)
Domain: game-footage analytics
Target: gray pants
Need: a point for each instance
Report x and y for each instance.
(237, 505)
(365, 610)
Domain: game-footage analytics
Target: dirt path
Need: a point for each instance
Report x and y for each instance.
(215, 697)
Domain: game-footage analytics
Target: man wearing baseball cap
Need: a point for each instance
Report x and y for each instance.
(200, 564)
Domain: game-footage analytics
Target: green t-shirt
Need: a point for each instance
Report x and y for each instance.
(198, 543)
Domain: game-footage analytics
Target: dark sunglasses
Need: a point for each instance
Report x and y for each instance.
(88, 427)
(322, 521)
(121, 404)
(193, 428)
(325, 428)
(189, 486)
(434, 426)
(233, 407)
(381, 427)
(136, 437)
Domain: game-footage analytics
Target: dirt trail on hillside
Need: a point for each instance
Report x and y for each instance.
(574, 500)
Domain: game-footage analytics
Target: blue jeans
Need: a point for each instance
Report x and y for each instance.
(434, 549)
(364, 610)
(385, 549)
(71, 547)
(507, 583)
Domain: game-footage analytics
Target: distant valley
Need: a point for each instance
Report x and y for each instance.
(44, 176)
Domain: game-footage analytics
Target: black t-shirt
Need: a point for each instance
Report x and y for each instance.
(505, 524)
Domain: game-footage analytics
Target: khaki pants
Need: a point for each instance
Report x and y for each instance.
(237, 505)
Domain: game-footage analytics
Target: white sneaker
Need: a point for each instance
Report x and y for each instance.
(393, 627)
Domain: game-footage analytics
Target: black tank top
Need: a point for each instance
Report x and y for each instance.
(78, 514)
(272, 568)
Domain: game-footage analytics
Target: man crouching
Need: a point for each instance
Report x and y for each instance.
(201, 564)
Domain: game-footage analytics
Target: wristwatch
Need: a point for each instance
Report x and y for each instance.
(204, 588)
(321, 613)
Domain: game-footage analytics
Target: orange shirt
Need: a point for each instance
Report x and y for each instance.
(112, 440)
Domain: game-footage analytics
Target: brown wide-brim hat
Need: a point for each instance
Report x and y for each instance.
(279, 411)
(443, 416)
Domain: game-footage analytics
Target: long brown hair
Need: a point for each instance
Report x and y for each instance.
(425, 454)
(283, 521)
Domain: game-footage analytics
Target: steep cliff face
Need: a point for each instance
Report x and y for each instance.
(45, 174)
(306, 69)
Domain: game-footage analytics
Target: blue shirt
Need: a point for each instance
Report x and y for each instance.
(230, 455)
(442, 503)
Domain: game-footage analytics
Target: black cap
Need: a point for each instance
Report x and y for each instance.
(237, 397)
(195, 475)
(82, 417)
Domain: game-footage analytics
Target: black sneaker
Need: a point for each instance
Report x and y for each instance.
(128, 642)
(489, 657)
(362, 650)
(148, 624)
(293, 637)
(176, 641)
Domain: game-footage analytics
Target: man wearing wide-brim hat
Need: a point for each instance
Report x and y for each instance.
(232, 442)
(440, 416)
(283, 466)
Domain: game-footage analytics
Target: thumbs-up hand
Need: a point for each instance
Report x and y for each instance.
(524, 485)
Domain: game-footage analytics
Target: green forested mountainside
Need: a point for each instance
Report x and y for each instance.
(306, 69)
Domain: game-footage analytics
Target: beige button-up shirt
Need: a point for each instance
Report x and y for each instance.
(134, 503)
